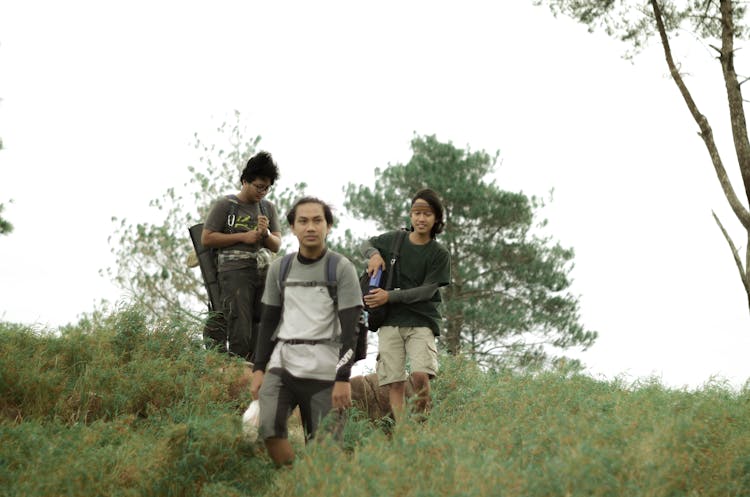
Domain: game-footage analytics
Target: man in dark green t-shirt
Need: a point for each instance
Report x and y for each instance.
(413, 319)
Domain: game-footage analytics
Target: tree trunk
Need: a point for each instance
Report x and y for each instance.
(455, 316)
(739, 125)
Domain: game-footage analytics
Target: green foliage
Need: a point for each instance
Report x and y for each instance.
(508, 300)
(5, 226)
(115, 405)
(151, 257)
(101, 370)
(634, 23)
(540, 435)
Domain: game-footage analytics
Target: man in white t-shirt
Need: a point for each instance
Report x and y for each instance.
(306, 344)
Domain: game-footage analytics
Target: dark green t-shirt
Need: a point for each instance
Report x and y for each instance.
(417, 265)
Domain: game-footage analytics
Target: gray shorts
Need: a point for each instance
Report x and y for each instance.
(281, 392)
(396, 344)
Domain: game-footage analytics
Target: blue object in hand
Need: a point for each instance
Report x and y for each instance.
(375, 279)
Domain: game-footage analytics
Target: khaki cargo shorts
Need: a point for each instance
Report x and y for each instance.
(396, 344)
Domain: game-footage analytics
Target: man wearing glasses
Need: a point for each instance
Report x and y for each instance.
(240, 226)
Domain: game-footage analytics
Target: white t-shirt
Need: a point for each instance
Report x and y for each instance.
(309, 314)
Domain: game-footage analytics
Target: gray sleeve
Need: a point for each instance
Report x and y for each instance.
(366, 248)
(272, 292)
(413, 295)
(217, 215)
(269, 321)
(348, 290)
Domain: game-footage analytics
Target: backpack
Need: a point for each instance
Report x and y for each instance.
(376, 317)
(360, 347)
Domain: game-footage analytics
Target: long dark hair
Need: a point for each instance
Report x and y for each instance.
(432, 198)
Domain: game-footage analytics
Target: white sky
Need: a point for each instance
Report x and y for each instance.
(101, 100)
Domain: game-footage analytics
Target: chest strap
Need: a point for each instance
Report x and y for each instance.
(296, 341)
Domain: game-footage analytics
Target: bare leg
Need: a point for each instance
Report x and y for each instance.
(421, 383)
(396, 395)
(280, 450)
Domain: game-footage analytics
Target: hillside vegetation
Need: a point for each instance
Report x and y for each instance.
(118, 407)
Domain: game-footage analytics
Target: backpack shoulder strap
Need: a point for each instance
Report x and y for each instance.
(286, 264)
(232, 215)
(398, 240)
(331, 265)
(263, 207)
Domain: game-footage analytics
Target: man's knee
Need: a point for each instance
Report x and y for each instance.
(397, 387)
(420, 381)
(280, 450)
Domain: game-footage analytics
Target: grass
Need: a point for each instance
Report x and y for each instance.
(119, 406)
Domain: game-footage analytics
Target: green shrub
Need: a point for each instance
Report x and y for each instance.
(120, 406)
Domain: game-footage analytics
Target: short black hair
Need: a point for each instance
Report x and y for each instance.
(432, 198)
(292, 214)
(260, 165)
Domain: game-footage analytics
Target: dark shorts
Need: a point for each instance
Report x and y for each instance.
(282, 392)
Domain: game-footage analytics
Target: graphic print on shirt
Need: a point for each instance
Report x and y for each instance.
(245, 223)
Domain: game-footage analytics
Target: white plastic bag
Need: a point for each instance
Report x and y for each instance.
(263, 257)
(251, 421)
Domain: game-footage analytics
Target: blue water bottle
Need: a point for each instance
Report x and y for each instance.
(375, 280)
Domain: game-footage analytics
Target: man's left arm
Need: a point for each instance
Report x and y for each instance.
(438, 275)
(348, 318)
(342, 390)
(271, 238)
(349, 298)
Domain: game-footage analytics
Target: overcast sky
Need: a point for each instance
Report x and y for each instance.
(101, 101)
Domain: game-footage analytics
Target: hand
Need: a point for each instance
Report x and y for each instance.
(376, 261)
(262, 224)
(376, 298)
(256, 383)
(342, 395)
(251, 237)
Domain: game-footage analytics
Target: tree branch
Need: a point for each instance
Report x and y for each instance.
(705, 129)
(735, 254)
(734, 95)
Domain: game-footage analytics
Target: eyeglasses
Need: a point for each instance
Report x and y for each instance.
(261, 188)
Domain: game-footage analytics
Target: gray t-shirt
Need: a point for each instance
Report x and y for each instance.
(308, 314)
(239, 255)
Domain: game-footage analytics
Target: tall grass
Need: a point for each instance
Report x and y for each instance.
(118, 406)
(122, 407)
(545, 435)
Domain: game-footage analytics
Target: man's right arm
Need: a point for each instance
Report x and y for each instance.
(367, 249)
(218, 239)
(372, 254)
(269, 320)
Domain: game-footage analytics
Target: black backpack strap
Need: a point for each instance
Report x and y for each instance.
(395, 252)
(232, 216)
(331, 265)
(286, 265)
